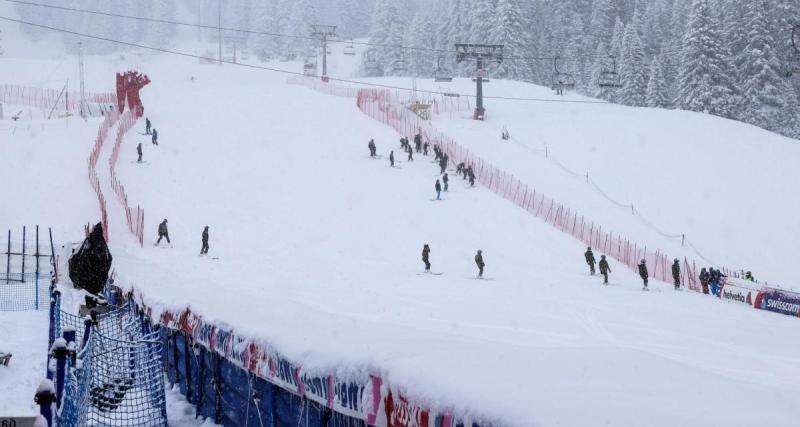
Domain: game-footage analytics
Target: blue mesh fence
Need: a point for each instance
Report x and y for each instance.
(19, 295)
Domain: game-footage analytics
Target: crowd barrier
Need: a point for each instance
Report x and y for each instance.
(102, 134)
(50, 98)
(133, 216)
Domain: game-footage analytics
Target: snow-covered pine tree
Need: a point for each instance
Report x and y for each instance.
(261, 20)
(616, 39)
(481, 20)
(508, 29)
(396, 58)
(632, 69)
(421, 34)
(379, 33)
(656, 85)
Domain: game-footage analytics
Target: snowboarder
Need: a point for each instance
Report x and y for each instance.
(425, 149)
(391, 158)
(163, 232)
(604, 268)
(704, 278)
(155, 136)
(676, 273)
(426, 250)
(139, 151)
(445, 179)
(147, 126)
(418, 142)
(589, 255)
(438, 190)
(204, 249)
(643, 273)
(410, 153)
(479, 262)
(371, 147)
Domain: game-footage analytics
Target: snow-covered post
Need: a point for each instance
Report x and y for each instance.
(45, 398)
(87, 330)
(59, 351)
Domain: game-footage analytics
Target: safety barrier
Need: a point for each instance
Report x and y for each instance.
(51, 98)
(133, 217)
(28, 271)
(102, 134)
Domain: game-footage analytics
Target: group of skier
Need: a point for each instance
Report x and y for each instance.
(641, 268)
(163, 233)
(148, 130)
(426, 252)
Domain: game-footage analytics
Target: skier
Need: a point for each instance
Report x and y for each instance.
(589, 255)
(479, 262)
(403, 143)
(676, 273)
(147, 126)
(391, 158)
(410, 153)
(155, 136)
(715, 276)
(604, 268)
(643, 273)
(443, 164)
(204, 249)
(704, 278)
(438, 190)
(748, 276)
(444, 181)
(460, 168)
(139, 151)
(418, 142)
(426, 250)
(471, 177)
(425, 149)
(371, 147)
(163, 232)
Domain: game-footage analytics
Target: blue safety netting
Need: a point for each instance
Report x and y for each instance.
(20, 292)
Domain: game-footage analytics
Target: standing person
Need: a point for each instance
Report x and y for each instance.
(747, 276)
(204, 249)
(426, 250)
(445, 179)
(714, 281)
(418, 142)
(425, 149)
(139, 151)
(163, 232)
(589, 255)
(391, 158)
(471, 177)
(643, 273)
(676, 273)
(410, 153)
(147, 126)
(479, 262)
(459, 168)
(438, 187)
(155, 136)
(604, 269)
(704, 278)
(371, 147)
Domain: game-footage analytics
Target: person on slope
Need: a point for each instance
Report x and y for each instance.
(589, 255)
(749, 277)
(445, 179)
(155, 136)
(643, 273)
(418, 142)
(425, 149)
(371, 147)
(716, 277)
(139, 151)
(604, 269)
(438, 187)
(704, 279)
(204, 249)
(426, 250)
(460, 168)
(410, 153)
(163, 232)
(676, 273)
(391, 158)
(471, 177)
(479, 262)
(147, 126)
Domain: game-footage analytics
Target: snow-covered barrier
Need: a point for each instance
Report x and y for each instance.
(739, 291)
(133, 217)
(778, 301)
(52, 99)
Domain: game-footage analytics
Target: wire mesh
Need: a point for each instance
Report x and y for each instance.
(118, 322)
(19, 295)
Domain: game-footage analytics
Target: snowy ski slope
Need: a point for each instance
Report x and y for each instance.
(319, 250)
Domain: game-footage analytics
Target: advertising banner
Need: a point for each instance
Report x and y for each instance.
(738, 294)
(779, 301)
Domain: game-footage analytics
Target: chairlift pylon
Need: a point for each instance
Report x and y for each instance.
(442, 73)
(561, 80)
(609, 78)
(794, 63)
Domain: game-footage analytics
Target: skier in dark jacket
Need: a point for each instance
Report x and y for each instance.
(410, 153)
(371, 147)
(676, 273)
(643, 273)
(479, 262)
(425, 149)
(589, 255)
(471, 177)
(425, 253)
(438, 187)
(714, 280)
(163, 232)
(139, 151)
(147, 125)
(604, 268)
(391, 158)
(704, 279)
(403, 143)
(445, 179)
(155, 136)
(204, 249)
(460, 168)
(418, 142)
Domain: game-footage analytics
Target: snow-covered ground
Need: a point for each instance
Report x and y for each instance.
(319, 248)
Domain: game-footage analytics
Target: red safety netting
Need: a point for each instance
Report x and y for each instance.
(108, 122)
(60, 100)
(133, 216)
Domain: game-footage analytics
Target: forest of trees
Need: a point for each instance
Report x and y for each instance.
(722, 57)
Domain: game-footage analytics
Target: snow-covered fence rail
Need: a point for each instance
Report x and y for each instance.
(133, 216)
(102, 134)
(50, 98)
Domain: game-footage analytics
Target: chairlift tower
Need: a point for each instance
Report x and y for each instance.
(83, 105)
(323, 32)
(482, 54)
(794, 66)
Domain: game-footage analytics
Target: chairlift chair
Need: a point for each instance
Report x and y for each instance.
(310, 66)
(442, 73)
(609, 78)
(560, 79)
(371, 66)
(794, 63)
(349, 49)
(400, 65)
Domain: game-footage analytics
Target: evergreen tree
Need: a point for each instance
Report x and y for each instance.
(632, 69)
(509, 30)
(656, 86)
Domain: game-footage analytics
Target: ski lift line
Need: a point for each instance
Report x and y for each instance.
(294, 73)
(270, 34)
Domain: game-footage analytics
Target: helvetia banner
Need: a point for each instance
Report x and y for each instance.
(738, 294)
(779, 301)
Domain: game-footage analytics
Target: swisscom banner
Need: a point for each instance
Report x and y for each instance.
(779, 301)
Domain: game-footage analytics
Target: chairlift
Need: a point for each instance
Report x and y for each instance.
(310, 66)
(561, 80)
(442, 73)
(371, 66)
(290, 56)
(349, 49)
(609, 78)
(400, 65)
(794, 63)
